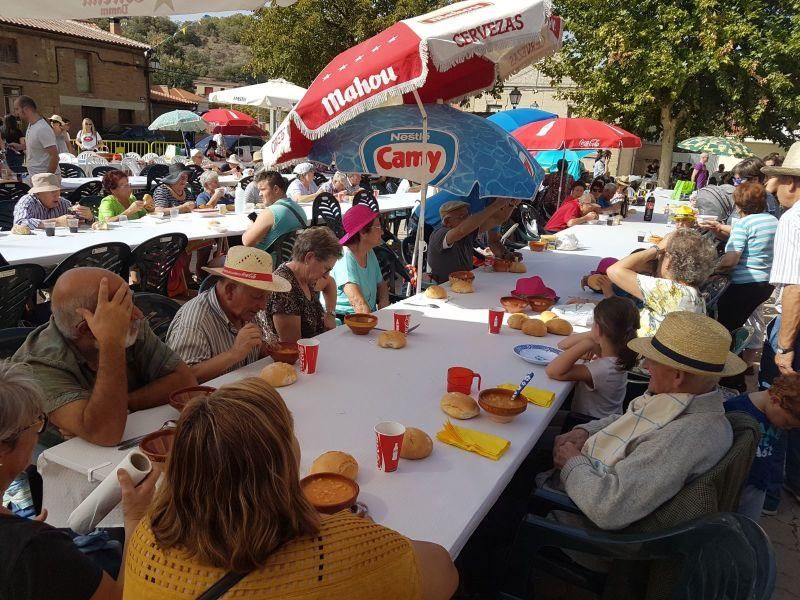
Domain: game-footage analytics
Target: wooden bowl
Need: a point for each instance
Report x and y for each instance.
(502, 266)
(464, 275)
(537, 246)
(540, 303)
(498, 404)
(361, 323)
(158, 445)
(330, 492)
(179, 398)
(284, 352)
(512, 304)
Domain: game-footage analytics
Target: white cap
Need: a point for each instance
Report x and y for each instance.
(194, 152)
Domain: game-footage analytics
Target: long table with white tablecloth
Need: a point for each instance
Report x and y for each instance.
(357, 384)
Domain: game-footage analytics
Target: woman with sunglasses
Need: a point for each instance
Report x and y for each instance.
(37, 561)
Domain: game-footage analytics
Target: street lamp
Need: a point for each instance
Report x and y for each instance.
(515, 96)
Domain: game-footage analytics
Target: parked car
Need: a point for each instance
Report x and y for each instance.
(235, 143)
(133, 132)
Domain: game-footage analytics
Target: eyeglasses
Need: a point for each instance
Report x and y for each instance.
(41, 421)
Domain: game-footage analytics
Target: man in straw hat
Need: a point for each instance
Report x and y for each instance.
(214, 332)
(781, 352)
(621, 468)
(43, 202)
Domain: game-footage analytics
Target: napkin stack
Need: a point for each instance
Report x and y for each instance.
(485, 444)
(543, 398)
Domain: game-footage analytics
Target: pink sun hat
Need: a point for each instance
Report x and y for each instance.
(532, 286)
(603, 265)
(355, 220)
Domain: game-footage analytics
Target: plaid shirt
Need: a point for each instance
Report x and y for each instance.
(31, 212)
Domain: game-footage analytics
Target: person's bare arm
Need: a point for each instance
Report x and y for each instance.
(625, 272)
(471, 223)
(297, 197)
(590, 216)
(729, 260)
(497, 248)
(259, 229)
(383, 294)
(157, 392)
(694, 175)
(356, 298)
(501, 214)
(437, 571)
(52, 164)
(790, 327)
(329, 294)
(564, 367)
(288, 327)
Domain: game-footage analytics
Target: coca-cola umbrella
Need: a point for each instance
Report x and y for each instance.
(228, 121)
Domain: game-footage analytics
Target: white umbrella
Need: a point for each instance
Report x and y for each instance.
(275, 93)
(94, 9)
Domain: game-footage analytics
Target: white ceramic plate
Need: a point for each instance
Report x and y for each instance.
(536, 354)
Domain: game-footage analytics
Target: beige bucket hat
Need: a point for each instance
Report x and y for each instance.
(252, 267)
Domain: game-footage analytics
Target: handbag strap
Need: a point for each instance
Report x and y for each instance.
(292, 210)
(225, 583)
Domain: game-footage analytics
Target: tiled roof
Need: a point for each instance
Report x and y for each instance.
(165, 93)
(79, 29)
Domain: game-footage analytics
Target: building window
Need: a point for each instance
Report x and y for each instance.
(83, 79)
(493, 108)
(10, 94)
(125, 116)
(208, 90)
(8, 50)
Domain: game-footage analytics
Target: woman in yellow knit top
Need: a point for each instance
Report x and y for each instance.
(231, 502)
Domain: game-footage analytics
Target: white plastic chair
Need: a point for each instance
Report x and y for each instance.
(179, 159)
(66, 157)
(133, 155)
(159, 160)
(83, 156)
(149, 157)
(170, 152)
(132, 165)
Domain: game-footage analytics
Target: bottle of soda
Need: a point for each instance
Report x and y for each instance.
(649, 207)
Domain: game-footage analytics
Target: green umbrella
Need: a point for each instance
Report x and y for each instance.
(179, 120)
(716, 145)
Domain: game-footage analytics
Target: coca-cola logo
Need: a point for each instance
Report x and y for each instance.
(591, 143)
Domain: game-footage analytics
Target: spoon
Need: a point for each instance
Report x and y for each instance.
(522, 385)
(130, 443)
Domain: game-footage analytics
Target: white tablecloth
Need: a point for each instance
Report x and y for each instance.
(48, 251)
(69, 184)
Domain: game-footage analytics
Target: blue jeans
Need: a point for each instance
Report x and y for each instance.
(790, 445)
(751, 502)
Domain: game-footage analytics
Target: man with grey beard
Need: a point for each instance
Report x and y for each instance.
(97, 358)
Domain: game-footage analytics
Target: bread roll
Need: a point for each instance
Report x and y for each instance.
(459, 406)
(547, 315)
(392, 339)
(516, 320)
(535, 327)
(436, 292)
(518, 267)
(461, 286)
(593, 281)
(416, 444)
(279, 374)
(559, 326)
(335, 462)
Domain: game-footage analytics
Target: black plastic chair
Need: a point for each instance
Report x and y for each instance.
(9, 194)
(155, 258)
(11, 340)
(13, 190)
(281, 248)
(194, 173)
(245, 181)
(326, 211)
(155, 173)
(712, 291)
(71, 170)
(18, 285)
(365, 197)
(158, 310)
(102, 170)
(112, 256)
(88, 189)
(319, 178)
(394, 272)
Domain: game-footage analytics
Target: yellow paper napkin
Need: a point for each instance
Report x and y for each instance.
(485, 444)
(543, 398)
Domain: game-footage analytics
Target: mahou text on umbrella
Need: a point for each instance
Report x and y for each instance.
(338, 99)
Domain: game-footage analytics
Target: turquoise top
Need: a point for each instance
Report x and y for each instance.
(347, 270)
(286, 214)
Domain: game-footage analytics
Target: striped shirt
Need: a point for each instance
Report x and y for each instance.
(163, 197)
(786, 264)
(202, 330)
(752, 237)
(31, 212)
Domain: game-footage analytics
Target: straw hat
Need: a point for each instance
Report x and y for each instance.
(790, 166)
(355, 220)
(693, 343)
(45, 182)
(257, 156)
(57, 119)
(251, 267)
(624, 180)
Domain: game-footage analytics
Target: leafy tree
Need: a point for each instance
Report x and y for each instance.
(684, 67)
(297, 42)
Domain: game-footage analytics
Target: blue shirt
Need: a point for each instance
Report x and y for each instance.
(432, 205)
(752, 236)
(204, 197)
(603, 202)
(766, 452)
(347, 270)
(286, 215)
(29, 211)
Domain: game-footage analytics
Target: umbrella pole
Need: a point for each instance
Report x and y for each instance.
(561, 176)
(419, 244)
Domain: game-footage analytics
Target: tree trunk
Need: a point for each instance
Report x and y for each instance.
(669, 128)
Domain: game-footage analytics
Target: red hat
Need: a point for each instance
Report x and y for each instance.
(355, 220)
(532, 286)
(603, 265)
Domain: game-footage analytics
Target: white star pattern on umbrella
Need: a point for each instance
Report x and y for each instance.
(327, 76)
(343, 67)
(359, 57)
(376, 48)
(393, 38)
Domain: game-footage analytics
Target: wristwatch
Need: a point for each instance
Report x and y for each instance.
(779, 350)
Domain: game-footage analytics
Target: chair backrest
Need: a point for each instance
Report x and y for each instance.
(170, 152)
(194, 173)
(319, 178)
(159, 311)
(86, 154)
(9, 194)
(149, 156)
(66, 157)
(281, 248)
(368, 198)
(71, 170)
(132, 165)
(712, 291)
(326, 211)
(740, 337)
(155, 258)
(394, 271)
(102, 170)
(155, 173)
(18, 285)
(112, 256)
(11, 339)
(90, 188)
(245, 181)
(133, 155)
(716, 490)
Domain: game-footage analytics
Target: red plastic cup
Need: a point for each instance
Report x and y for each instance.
(496, 319)
(388, 443)
(308, 349)
(459, 379)
(402, 321)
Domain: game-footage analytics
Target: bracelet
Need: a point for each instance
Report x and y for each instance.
(329, 313)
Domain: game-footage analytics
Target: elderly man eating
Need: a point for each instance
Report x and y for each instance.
(214, 332)
(43, 202)
(621, 468)
(97, 357)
